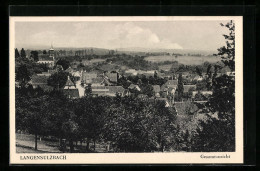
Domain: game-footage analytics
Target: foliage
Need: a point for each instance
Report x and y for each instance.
(17, 55)
(23, 75)
(215, 135)
(138, 126)
(218, 134)
(227, 52)
(34, 55)
(88, 90)
(180, 88)
(59, 79)
(23, 54)
(64, 63)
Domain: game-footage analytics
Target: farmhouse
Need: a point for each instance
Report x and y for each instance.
(107, 90)
(40, 81)
(170, 83)
(70, 89)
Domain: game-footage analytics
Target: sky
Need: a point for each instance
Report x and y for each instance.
(196, 35)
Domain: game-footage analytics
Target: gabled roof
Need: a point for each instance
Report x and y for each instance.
(41, 81)
(69, 84)
(86, 75)
(133, 86)
(69, 69)
(112, 77)
(97, 80)
(116, 89)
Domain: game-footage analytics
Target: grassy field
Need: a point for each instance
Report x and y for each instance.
(166, 67)
(186, 60)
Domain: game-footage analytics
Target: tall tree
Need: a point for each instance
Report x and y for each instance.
(59, 79)
(180, 86)
(23, 54)
(218, 134)
(17, 55)
(34, 55)
(88, 90)
(64, 63)
(23, 75)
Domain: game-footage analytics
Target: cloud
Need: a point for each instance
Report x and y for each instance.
(131, 35)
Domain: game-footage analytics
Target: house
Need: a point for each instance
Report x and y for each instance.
(156, 89)
(170, 83)
(205, 93)
(113, 90)
(98, 81)
(169, 87)
(107, 90)
(45, 59)
(134, 87)
(87, 78)
(100, 90)
(40, 81)
(186, 88)
(112, 77)
(70, 89)
(165, 100)
(69, 70)
(76, 75)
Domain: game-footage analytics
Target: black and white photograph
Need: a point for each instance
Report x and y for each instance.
(126, 85)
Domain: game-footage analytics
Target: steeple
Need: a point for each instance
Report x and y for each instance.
(51, 52)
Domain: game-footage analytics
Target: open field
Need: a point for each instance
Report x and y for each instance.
(186, 60)
(165, 67)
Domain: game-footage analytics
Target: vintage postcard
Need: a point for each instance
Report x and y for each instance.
(126, 90)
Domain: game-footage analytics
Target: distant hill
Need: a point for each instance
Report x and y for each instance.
(180, 51)
(132, 50)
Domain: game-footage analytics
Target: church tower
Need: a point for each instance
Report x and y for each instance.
(51, 52)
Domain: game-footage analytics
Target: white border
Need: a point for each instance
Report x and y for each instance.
(134, 158)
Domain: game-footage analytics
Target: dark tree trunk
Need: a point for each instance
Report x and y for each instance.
(87, 147)
(71, 146)
(162, 145)
(35, 141)
(60, 141)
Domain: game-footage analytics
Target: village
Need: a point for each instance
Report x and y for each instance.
(183, 90)
(109, 83)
